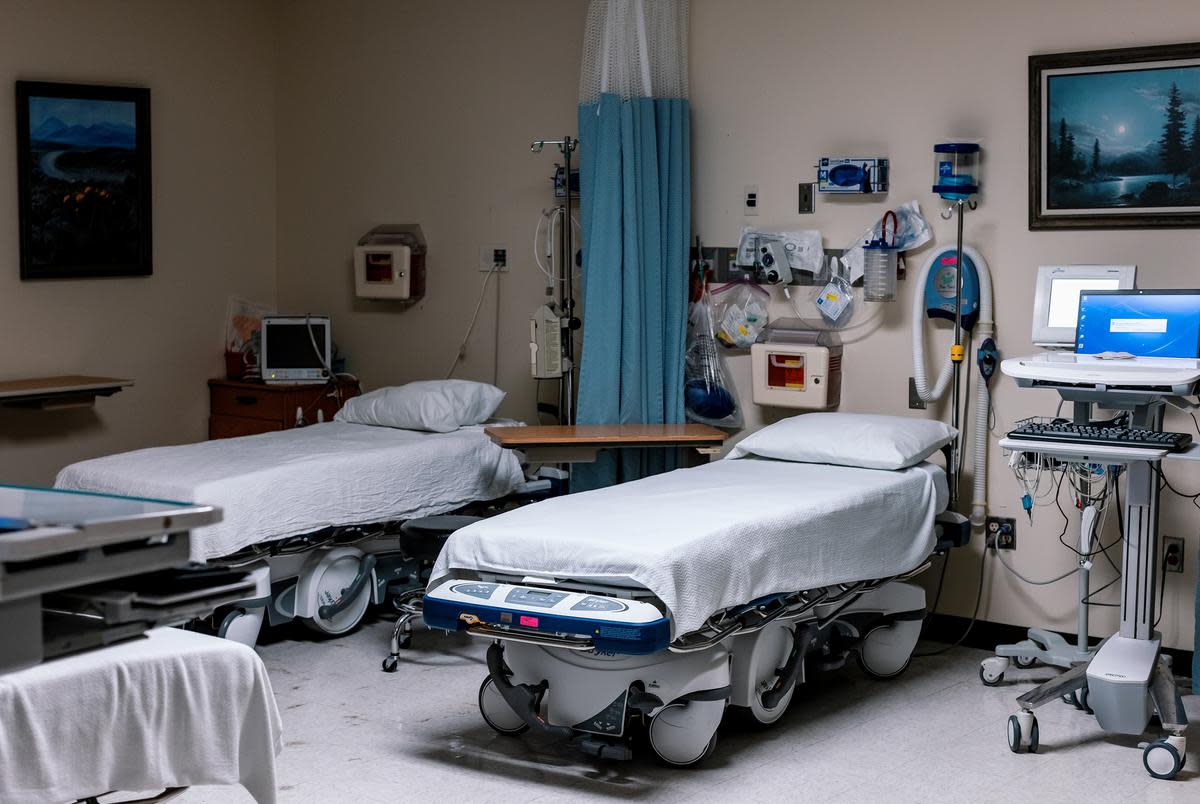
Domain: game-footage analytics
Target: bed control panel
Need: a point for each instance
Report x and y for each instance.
(541, 598)
(624, 626)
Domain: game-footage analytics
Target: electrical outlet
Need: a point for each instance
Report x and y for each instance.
(493, 257)
(806, 199)
(914, 399)
(750, 200)
(1001, 532)
(1173, 553)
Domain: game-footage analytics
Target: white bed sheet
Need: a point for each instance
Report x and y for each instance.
(173, 710)
(276, 485)
(718, 535)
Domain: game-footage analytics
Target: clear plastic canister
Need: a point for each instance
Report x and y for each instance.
(879, 272)
(956, 170)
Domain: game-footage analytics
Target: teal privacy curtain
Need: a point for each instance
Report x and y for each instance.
(635, 200)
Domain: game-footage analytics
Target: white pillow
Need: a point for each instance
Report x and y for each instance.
(848, 439)
(439, 406)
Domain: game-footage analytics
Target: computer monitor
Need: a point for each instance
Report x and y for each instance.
(1056, 301)
(1144, 323)
(295, 349)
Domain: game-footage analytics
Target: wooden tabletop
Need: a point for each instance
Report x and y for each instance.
(632, 435)
(71, 383)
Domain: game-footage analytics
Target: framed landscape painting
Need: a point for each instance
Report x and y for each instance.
(1114, 138)
(83, 180)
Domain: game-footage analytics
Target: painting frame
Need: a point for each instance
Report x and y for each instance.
(130, 250)
(1045, 66)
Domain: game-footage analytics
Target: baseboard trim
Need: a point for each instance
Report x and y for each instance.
(987, 635)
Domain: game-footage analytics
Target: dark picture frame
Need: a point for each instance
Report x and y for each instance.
(1096, 158)
(83, 180)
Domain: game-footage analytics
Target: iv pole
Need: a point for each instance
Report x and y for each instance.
(957, 350)
(566, 290)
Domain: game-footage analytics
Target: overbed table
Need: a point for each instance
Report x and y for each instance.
(579, 443)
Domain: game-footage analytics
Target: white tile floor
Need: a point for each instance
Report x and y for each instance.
(354, 733)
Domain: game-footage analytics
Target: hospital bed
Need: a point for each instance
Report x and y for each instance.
(665, 600)
(312, 510)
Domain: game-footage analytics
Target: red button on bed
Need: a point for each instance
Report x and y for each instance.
(529, 622)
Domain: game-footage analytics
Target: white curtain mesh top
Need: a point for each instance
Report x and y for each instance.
(635, 48)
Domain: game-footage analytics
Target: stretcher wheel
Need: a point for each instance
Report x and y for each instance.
(331, 577)
(390, 664)
(1161, 760)
(496, 711)
(885, 651)
(1025, 662)
(677, 732)
(775, 643)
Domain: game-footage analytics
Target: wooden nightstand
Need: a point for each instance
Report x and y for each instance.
(247, 408)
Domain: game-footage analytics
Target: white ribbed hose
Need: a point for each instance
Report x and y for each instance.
(984, 329)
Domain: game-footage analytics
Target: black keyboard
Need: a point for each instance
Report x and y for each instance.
(1105, 434)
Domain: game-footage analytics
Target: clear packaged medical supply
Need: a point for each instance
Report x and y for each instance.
(739, 313)
(835, 300)
(708, 396)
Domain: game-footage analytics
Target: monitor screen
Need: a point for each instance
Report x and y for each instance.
(290, 345)
(1145, 323)
(1064, 298)
(1056, 298)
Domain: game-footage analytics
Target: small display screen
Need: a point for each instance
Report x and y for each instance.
(1143, 323)
(290, 346)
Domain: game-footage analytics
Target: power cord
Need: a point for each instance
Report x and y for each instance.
(462, 348)
(974, 614)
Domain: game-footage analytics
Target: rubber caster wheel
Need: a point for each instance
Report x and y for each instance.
(988, 679)
(1161, 760)
(1072, 699)
(390, 664)
(1083, 701)
(1025, 663)
(672, 732)
(404, 642)
(1015, 741)
(496, 711)
(885, 652)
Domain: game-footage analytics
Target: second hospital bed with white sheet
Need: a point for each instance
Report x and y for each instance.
(666, 599)
(332, 486)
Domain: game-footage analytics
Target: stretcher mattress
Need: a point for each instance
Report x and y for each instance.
(172, 710)
(716, 536)
(276, 485)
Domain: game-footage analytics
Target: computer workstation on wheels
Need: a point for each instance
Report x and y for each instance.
(1136, 351)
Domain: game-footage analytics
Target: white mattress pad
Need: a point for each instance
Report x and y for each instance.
(275, 485)
(172, 710)
(718, 535)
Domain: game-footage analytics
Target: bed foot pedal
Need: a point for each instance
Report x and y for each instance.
(602, 749)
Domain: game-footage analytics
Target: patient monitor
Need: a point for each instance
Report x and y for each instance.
(1056, 301)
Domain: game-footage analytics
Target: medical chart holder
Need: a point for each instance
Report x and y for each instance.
(1122, 705)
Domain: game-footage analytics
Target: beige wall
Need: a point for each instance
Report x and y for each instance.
(389, 112)
(422, 112)
(210, 70)
(792, 88)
